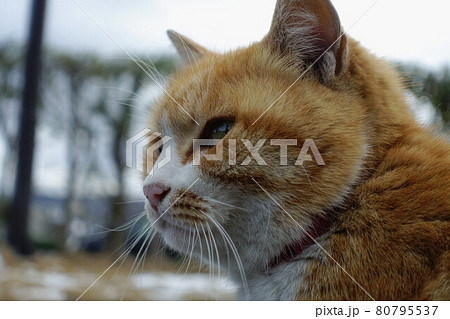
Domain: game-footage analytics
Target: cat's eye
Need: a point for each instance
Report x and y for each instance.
(218, 129)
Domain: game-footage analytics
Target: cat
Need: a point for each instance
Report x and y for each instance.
(371, 222)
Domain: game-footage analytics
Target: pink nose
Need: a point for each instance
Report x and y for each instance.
(155, 193)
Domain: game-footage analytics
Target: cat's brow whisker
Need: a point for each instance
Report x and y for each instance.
(134, 59)
(120, 89)
(153, 70)
(315, 241)
(153, 67)
(134, 107)
(137, 117)
(130, 202)
(123, 99)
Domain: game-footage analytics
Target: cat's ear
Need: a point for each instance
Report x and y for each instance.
(310, 31)
(188, 50)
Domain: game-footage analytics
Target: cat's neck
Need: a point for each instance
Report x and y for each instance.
(380, 88)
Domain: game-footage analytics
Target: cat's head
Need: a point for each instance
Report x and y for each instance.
(292, 139)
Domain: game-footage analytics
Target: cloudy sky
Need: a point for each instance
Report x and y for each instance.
(408, 30)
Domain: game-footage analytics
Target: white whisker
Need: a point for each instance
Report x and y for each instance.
(150, 234)
(125, 253)
(234, 251)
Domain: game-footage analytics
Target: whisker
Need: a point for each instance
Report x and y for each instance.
(213, 240)
(134, 241)
(137, 117)
(130, 202)
(234, 251)
(120, 89)
(209, 257)
(224, 241)
(126, 252)
(201, 248)
(184, 259)
(268, 225)
(125, 226)
(306, 173)
(146, 250)
(136, 262)
(194, 241)
(134, 107)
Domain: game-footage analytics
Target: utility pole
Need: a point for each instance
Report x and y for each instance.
(18, 214)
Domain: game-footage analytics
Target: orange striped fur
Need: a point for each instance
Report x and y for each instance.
(385, 185)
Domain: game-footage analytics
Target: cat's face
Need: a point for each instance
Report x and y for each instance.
(242, 98)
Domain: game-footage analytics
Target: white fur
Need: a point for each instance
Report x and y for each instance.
(284, 281)
(281, 284)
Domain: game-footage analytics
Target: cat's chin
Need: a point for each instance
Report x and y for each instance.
(174, 235)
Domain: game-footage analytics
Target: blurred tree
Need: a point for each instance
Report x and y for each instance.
(71, 103)
(10, 90)
(18, 215)
(91, 101)
(434, 85)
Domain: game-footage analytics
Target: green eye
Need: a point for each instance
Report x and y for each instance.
(218, 129)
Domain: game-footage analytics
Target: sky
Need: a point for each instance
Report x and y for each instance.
(404, 30)
(407, 30)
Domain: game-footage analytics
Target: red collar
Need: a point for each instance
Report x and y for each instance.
(320, 225)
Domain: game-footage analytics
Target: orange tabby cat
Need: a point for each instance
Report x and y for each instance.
(365, 216)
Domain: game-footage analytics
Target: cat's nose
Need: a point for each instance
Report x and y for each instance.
(155, 194)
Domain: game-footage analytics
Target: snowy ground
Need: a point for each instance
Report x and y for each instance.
(56, 277)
